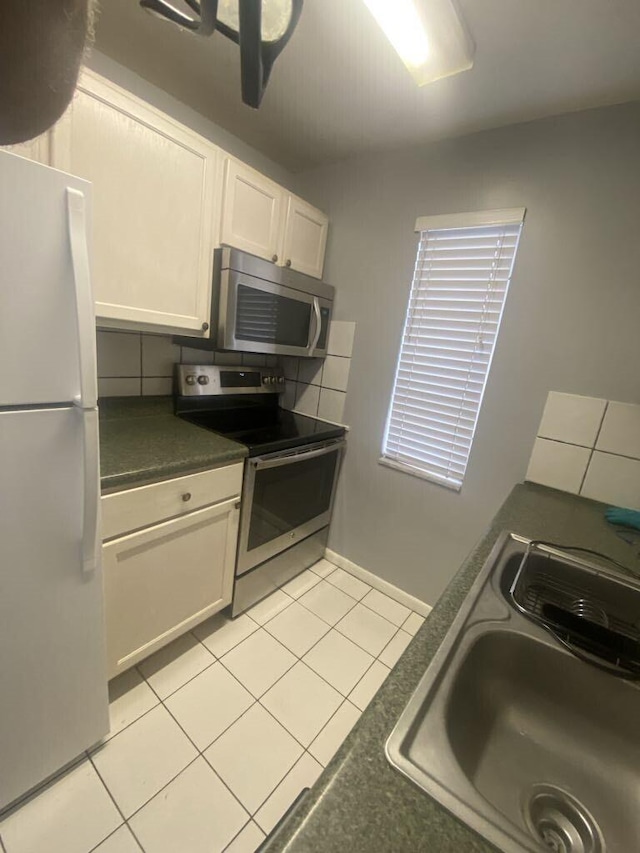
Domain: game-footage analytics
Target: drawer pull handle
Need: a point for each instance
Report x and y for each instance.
(186, 496)
(274, 258)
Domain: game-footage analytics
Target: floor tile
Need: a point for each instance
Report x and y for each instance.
(221, 634)
(297, 628)
(195, 813)
(253, 756)
(387, 607)
(71, 815)
(367, 629)
(327, 743)
(129, 698)
(175, 664)
(348, 583)
(301, 583)
(140, 760)
(208, 704)
(323, 568)
(339, 661)
(121, 841)
(328, 602)
(302, 775)
(391, 653)
(258, 662)
(248, 840)
(413, 623)
(270, 606)
(369, 684)
(302, 702)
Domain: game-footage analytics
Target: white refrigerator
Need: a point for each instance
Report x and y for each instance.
(53, 684)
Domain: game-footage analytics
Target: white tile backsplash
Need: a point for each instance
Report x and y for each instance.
(589, 446)
(336, 372)
(614, 480)
(558, 465)
(571, 418)
(119, 354)
(307, 399)
(159, 354)
(331, 405)
(310, 370)
(156, 386)
(620, 431)
(114, 387)
(341, 335)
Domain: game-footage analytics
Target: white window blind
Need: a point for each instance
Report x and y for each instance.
(459, 289)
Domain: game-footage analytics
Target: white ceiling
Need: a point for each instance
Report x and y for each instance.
(339, 88)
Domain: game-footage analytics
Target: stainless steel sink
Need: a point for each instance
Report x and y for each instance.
(531, 746)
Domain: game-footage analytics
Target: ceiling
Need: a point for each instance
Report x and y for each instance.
(339, 88)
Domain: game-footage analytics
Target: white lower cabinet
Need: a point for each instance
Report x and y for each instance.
(163, 579)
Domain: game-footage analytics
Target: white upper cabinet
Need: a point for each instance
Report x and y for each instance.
(252, 211)
(153, 208)
(305, 237)
(263, 218)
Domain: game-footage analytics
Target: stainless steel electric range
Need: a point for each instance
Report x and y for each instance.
(290, 475)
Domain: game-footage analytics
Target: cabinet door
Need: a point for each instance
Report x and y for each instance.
(153, 199)
(305, 237)
(252, 211)
(38, 149)
(163, 580)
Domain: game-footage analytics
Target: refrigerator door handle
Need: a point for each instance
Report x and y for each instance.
(77, 221)
(91, 490)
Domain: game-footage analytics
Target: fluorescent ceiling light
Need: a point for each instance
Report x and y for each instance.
(428, 35)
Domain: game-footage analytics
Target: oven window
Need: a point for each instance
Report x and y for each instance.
(271, 319)
(288, 496)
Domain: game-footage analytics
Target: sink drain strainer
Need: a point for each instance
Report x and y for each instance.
(561, 823)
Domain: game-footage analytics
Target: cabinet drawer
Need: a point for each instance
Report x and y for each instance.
(161, 581)
(145, 505)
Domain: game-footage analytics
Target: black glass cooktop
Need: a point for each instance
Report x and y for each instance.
(263, 429)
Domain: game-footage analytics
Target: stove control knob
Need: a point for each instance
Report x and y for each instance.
(280, 380)
(203, 380)
(268, 380)
(190, 379)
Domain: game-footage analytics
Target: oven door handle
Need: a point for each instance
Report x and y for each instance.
(318, 325)
(261, 463)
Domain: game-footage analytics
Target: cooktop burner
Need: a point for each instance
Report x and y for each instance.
(265, 429)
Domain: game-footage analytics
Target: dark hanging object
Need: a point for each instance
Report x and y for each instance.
(256, 57)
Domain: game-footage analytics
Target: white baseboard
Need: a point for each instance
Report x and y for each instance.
(378, 583)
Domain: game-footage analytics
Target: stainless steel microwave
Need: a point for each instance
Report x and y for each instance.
(259, 307)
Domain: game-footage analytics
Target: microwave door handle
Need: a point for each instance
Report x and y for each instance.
(318, 325)
(262, 462)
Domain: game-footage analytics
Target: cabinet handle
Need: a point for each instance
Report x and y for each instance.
(186, 497)
(288, 263)
(274, 258)
(205, 326)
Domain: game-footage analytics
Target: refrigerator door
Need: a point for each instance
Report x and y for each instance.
(52, 647)
(46, 312)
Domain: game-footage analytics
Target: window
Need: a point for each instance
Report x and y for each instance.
(459, 288)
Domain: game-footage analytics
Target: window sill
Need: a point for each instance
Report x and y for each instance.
(420, 474)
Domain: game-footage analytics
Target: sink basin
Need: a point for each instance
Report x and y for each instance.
(531, 746)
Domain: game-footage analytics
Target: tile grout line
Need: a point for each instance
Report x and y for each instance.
(593, 449)
(238, 833)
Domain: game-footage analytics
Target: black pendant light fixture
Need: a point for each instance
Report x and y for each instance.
(261, 28)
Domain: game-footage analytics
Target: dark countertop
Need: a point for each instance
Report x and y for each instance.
(142, 441)
(360, 803)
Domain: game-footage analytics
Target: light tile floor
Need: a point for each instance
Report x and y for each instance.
(213, 737)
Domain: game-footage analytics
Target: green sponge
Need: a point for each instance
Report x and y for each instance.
(624, 517)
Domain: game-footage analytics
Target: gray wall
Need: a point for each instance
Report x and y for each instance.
(571, 323)
(132, 82)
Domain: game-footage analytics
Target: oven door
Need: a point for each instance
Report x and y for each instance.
(286, 497)
(262, 316)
